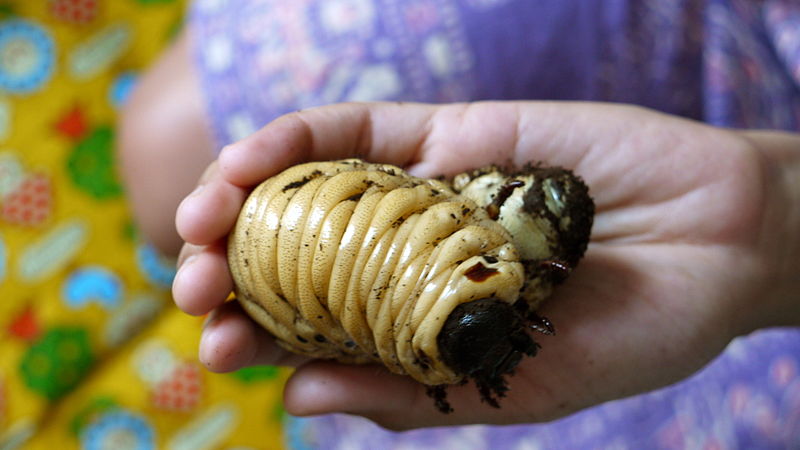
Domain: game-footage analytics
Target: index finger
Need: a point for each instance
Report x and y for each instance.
(380, 132)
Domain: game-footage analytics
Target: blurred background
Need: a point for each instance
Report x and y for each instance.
(92, 352)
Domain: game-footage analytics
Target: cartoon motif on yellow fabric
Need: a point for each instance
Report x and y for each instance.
(27, 56)
(93, 353)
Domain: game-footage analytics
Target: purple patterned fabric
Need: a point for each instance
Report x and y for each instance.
(732, 63)
(749, 398)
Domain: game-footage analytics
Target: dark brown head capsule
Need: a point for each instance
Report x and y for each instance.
(484, 340)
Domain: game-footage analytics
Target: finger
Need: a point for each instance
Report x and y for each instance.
(203, 280)
(323, 387)
(384, 132)
(596, 140)
(209, 212)
(428, 139)
(211, 172)
(395, 402)
(187, 251)
(231, 341)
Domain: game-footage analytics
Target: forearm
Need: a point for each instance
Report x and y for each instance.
(780, 238)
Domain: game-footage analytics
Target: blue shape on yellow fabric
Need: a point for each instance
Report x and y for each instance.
(92, 284)
(2, 259)
(154, 266)
(121, 88)
(28, 56)
(119, 425)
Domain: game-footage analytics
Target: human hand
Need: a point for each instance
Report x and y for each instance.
(681, 261)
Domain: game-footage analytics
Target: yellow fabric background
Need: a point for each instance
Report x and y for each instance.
(92, 351)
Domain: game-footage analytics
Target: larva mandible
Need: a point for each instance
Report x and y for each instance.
(439, 280)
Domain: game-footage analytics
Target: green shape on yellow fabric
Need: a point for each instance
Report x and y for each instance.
(96, 407)
(278, 412)
(256, 373)
(174, 29)
(57, 362)
(129, 231)
(6, 10)
(91, 165)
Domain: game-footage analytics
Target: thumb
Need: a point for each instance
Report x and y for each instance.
(393, 401)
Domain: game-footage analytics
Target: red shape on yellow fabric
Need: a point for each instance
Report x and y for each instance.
(73, 124)
(74, 11)
(180, 391)
(25, 326)
(30, 203)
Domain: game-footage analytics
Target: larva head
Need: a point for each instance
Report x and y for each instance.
(485, 340)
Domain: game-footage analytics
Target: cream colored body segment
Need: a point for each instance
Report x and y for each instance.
(361, 262)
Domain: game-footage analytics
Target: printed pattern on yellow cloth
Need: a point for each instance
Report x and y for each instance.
(92, 352)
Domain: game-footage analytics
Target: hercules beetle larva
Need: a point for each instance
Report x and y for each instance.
(439, 280)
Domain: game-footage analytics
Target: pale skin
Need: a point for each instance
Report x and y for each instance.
(695, 242)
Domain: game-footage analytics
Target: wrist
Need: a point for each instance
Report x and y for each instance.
(779, 240)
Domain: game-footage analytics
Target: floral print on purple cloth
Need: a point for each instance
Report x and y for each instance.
(726, 62)
(747, 398)
(749, 61)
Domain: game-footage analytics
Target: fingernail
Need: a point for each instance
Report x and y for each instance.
(196, 190)
(183, 261)
(201, 348)
(211, 319)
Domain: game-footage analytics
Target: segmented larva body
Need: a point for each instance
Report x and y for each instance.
(362, 262)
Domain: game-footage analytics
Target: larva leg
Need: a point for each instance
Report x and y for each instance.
(540, 324)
